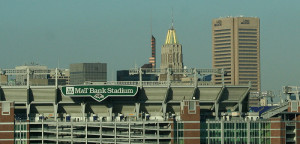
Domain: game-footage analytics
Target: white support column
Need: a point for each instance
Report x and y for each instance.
(217, 110)
(208, 133)
(55, 106)
(248, 132)
(115, 129)
(157, 131)
(144, 131)
(222, 132)
(100, 132)
(56, 80)
(56, 132)
(240, 109)
(86, 132)
(195, 77)
(43, 130)
(28, 111)
(235, 131)
(129, 130)
(140, 77)
(137, 110)
(71, 132)
(83, 111)
(28, 73)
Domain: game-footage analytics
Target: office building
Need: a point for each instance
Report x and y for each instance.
(236, 48)
(171, 55)
(152, 59)
(88, 72)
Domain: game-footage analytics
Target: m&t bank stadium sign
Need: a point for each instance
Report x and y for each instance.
(99, 93)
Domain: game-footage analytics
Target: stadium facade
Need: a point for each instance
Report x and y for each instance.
(144, 112)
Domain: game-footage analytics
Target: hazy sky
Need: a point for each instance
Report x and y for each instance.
(117, 32)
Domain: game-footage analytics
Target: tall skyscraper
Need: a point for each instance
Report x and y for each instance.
(171, 54)
(236, 48)
(152, 59)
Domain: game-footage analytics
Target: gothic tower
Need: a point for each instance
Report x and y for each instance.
(171, 55)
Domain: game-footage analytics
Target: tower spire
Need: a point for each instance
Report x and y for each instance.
(172, 20)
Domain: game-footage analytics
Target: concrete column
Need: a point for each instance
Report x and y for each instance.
(56, 80)
(164, 108)
(240, 109)
(71, 132)
(100, 131)
(222, 131)
(248, 132)
(83, 111)
(195, 77)
(86, 132)
(235, 132)
(129, 130)
(28, 78)
(115, 131)
(56, 132)
(140, 77)
(43, 130)
(217, 110)
(208, 135)
(55, 106)
(28, 111)
(144, 131)
(137, 110)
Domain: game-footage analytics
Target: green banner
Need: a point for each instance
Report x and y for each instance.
(99, 92)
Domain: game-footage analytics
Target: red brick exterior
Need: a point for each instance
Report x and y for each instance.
(191, 130)
(277, 131)
(7, 127)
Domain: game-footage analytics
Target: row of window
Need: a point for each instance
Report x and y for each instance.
(248, 43)
(243, 29)
(248, 71)
(249, 68)
(250, 79)
(248, 40)
(222, 58)
(248, 47)
(222, 65)
(222, 37)
(226, 54)
(224, 47)
(246, 36)
(225, 40)
(226, 33)
(247, 32)
(222, 51)
(247, 57)
(248, 61)
(221, 30)
(228, 61)
(248, 54)
(248, 50)
(222, 44)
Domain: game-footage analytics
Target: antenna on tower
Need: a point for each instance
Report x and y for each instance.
(151, 23)
(172, 19)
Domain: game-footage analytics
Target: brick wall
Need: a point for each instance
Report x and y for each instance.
(7, 125)
(277, 131)
(191, 125)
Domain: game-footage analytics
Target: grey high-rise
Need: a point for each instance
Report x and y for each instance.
(171, 55)
(82, 72)
(236, 48)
